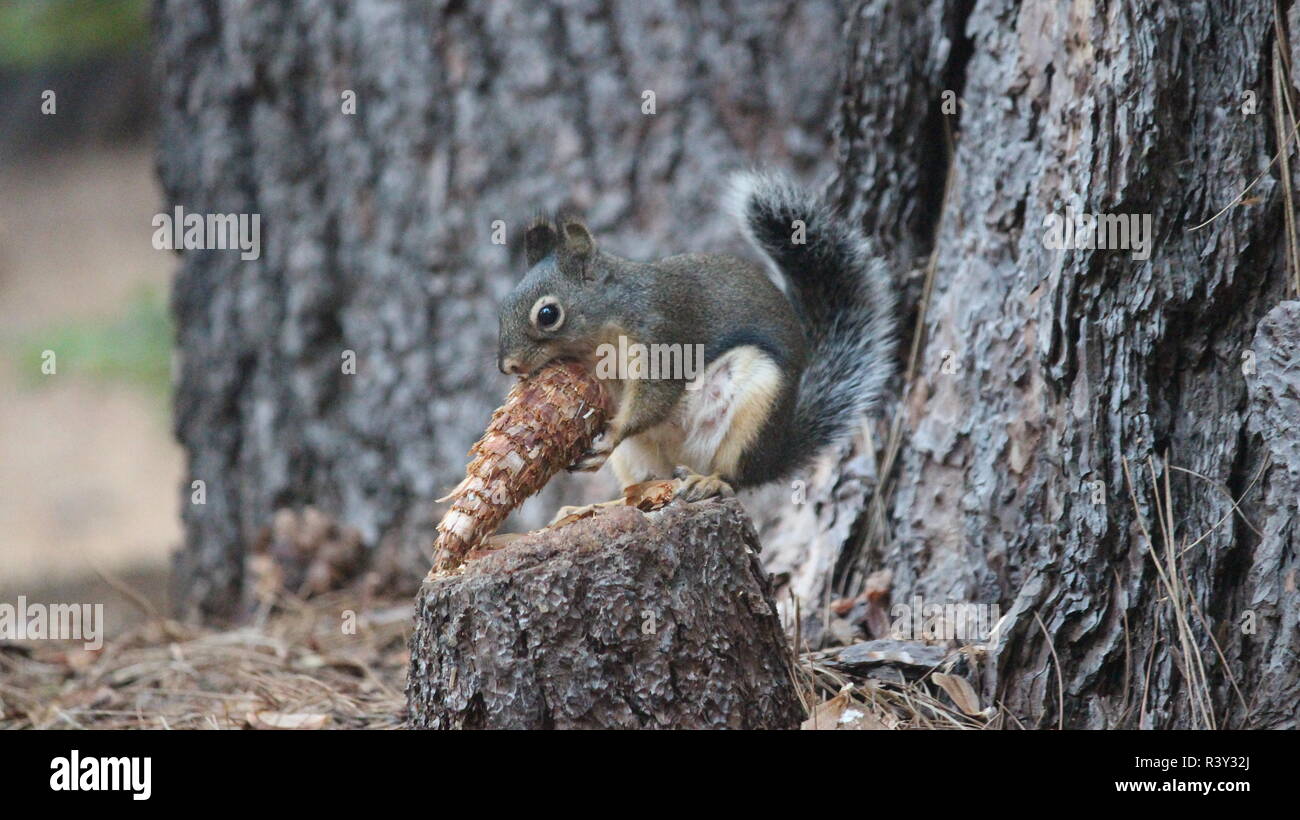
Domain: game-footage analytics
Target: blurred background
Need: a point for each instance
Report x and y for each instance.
(89, 469)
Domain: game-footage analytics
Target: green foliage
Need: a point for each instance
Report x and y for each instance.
(45, 32)
(134, 347)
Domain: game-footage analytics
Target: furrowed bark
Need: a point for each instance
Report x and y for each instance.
(1044, 373)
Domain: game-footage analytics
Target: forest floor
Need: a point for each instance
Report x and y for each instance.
(339, 661)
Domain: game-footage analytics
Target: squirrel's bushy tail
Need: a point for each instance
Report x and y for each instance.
(843, 292)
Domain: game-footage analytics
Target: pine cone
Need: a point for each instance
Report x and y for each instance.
(546, 423)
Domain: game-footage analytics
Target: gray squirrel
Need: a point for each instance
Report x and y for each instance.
(784, 376)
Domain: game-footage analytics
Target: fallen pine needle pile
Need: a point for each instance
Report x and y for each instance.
(835, 699)
(299, 669)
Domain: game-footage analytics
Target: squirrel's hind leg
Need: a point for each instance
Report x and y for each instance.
(726, 414)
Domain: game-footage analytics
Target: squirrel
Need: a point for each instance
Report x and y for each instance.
(783, 376)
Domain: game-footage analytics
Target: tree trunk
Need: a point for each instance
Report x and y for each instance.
(628, 620)
(377, 227)
(1076, 416)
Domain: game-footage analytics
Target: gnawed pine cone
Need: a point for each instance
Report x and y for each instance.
(547, 422)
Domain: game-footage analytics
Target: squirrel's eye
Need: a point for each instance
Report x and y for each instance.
(547, 313)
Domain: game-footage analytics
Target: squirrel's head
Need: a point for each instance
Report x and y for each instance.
(558, 309)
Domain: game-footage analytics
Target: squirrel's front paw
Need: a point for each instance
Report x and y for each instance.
(594, 458)
(696, 487)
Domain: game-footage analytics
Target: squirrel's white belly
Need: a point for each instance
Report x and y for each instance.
(711, 426)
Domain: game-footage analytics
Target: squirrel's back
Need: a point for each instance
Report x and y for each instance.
(717, 289)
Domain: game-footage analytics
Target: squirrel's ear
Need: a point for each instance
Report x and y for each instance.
(539, 241)
(578, 240)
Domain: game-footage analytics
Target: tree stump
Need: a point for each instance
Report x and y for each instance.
(625, 620)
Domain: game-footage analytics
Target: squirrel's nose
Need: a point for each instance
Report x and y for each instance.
(511, 366)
